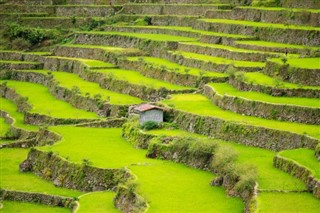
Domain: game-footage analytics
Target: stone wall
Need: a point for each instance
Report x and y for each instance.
(244, 134)
(168, 75)
(290, 92)
(292, 74)
(204, 64)
(298, 171)
(103, 109)
(71, 175)
(266, 110)
(282, 35)
(39, 198)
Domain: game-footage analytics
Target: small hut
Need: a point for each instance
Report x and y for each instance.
(150, 112)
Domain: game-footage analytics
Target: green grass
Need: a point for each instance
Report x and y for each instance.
(162, 183)
(269, 177)
(69, 80)
(274, 44)
(135, 77)
(44, 103)
(258, 78)
(12, 179)
(227, 89)
(153, 37)
(219, 60)
(304, 157)
(287, 203)
(229, 48)
(4, 127)
(29, 53)
(304, 63)
(106, 48)
(101, 202)
(281, 9)
(14, 206)
(17, 62)
(174, 67)
(9, 107)
(199, 104)
(90, 63)
(188, 29)
(260, 24)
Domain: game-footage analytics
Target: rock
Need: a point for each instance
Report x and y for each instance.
(25, 166)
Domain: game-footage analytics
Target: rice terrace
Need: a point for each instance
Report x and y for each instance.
(165, 106)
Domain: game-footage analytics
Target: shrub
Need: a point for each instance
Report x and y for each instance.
(149, 125)
(247, 178)
(32, 35)
(224, 160)
(20, 44)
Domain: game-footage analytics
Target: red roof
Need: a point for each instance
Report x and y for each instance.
(147, 107)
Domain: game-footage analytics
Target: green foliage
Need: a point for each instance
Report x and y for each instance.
(32, 35)
(145, 21)
(20, 44)
(149, 125)
(224, 160)
(92, 24)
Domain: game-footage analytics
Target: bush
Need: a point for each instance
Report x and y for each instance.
(247, 178)
(149, 125)
(32, 35)
(224, 160)
(20, 44)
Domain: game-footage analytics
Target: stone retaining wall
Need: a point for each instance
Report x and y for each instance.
(286, 35)
(266, 110)
(63, 23)
(70, 175)
(205, 65)
(230, 54)
(171, 76)
(295, 75)
(298, 171)
(290, 92)
(39, 198)
(256, 136)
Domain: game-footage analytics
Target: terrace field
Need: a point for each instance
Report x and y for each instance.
(160, 106)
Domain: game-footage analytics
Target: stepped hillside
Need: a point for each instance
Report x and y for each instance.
(238, 82)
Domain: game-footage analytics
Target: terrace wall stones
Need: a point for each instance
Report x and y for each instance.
(70, 175)
(245, 106)
(282, 35)
(284, 16)
(87, 11)
(63, 22)
(176, 9)
(204, 64)
(300, 172)
(109, 123)
(291, 92)
(40, 198)
(293, 74)
(20, 56)
(271, 139)
(129, 201)
(165, 74)
(77, 100)
(230, 54)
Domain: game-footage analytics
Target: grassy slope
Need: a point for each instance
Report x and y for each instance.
(90, 63)
(274, 44)
(45, 103)
(268, 176)
(13, 206)
(135, 77)
(260, 24)
(9, 107)
(162, 183)
(69, 80)
(304, 157)
(287, 203)
(159, 63)
(305, 63)
(262, 79)
(226, 89)
(12, 179)
(200, 105)
(153, 37)
(106, 48)
(4, 127)
(101, 202)
(219, 60)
